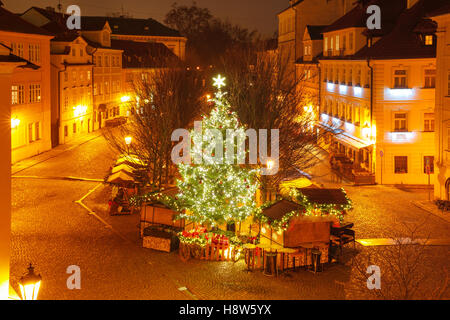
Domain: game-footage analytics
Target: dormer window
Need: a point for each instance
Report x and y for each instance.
(146, 28)
(429, 40)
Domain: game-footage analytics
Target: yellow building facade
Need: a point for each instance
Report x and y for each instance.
(442, 183)
(377, 93)
(29, 92)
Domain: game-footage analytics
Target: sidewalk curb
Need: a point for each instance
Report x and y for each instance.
(433, 211)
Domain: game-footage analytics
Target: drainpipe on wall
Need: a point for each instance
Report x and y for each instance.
(371, 107)
(58, 115)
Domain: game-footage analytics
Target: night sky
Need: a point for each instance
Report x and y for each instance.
(253, 14)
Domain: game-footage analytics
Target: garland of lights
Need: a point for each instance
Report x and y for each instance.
(168, 201)
(310, 210)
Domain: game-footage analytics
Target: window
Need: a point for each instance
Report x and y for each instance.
(332, 44)
(428, 40)
(66, 102)
(81, 75)
(73, 52)
(35, 93)
(30, 133)
(89, 75)
(325, 45)
(34, 53)
(400, 79)
(430, 78)
(428, 164)
(344, 43)
(350, 41)
(448, 93)
(37, 132)
(17, 49)
(358, 77)
(74, 129)
(401, 165)
(337, 43)
(106, 87)
(17, 94)
(428, 122)
(66, 76)
(81, 52)
(66, 131)
(74, 76)
(400, 122)
(95, 89)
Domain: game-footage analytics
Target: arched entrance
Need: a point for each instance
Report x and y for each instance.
(447, 190)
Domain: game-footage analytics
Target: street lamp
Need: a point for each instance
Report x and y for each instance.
(270, 164)
(128, 141)
(29, 284)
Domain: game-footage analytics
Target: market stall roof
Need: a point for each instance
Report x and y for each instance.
(130, 160)
(123, 167)
(280, 209)
(120, 177)
(325, 196)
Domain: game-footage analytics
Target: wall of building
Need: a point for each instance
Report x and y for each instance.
(442, 185)
(74, 105)
(32, 111)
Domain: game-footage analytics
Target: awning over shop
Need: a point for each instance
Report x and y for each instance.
(351, 142)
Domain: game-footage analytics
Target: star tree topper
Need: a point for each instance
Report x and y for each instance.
(219, 82)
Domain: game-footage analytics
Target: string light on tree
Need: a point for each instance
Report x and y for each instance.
(216, 191)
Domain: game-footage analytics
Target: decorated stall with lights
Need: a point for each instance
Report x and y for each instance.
(301, 224)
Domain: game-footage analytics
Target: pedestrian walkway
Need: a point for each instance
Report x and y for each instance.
(30, 162)
(431, 207)
(403, 241)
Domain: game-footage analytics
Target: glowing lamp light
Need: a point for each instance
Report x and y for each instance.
(219, 82)
(270, 164)
(330, 87)
(79, 110)
(357, 91)
(342, 89)
(128, 140)
(366, 131)
(15, 123)
(30, 284)
(401, 93)
(208, 97)
(125, 99)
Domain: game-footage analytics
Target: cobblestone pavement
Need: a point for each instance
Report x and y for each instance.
(53, 232)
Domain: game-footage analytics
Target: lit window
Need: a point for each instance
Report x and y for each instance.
(428, 164)
(17, 94)
(337, 43)
(428, 40)
(325, 45)
(430, 78)
(400, 122)
(428, 122)
(35, 93)
(400, 79)
(401, 165)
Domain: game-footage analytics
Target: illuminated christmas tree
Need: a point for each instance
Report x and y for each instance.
(216, 187)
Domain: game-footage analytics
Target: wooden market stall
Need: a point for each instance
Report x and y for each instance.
(158, 223)
(303, 224)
